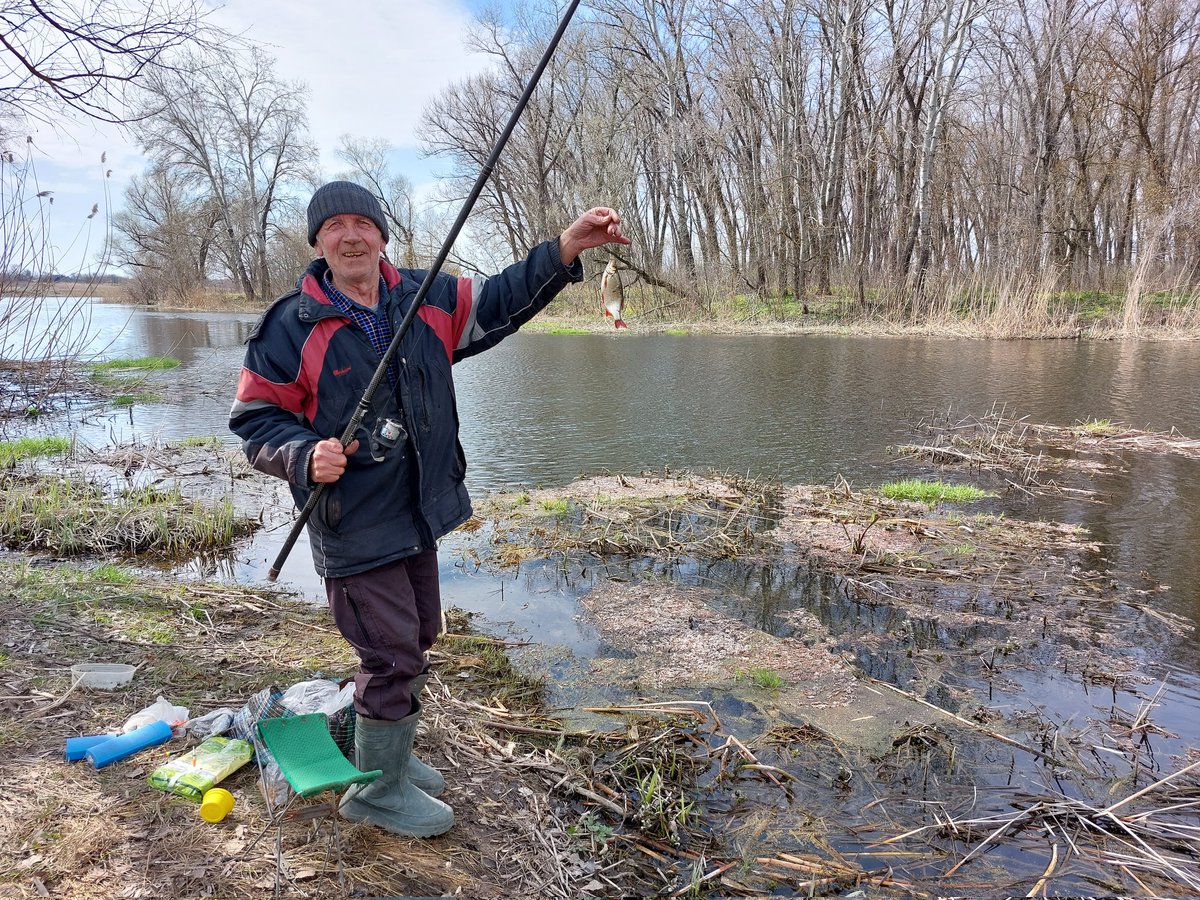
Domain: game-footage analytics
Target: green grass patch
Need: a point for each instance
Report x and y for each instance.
(108, 573)
(564, 329)
(141, 364)
(117, 373)
(1098, 426)
(210, 441)
(932, 492)
(12, 452)
(767, 679)
(677, 332)
(558, 507)
(1088, 306)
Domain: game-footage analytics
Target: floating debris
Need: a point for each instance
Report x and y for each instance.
(1031, 455)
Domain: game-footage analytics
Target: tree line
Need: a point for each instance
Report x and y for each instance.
(809, 146)
(902, 152)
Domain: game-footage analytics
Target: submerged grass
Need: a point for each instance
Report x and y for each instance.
(134, 399)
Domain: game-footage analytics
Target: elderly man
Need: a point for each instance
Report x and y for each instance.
(399, 486)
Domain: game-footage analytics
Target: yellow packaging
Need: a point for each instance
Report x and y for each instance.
(193, 773)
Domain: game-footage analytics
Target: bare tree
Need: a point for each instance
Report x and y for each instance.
(801, 147)
(84, 55)
(166, 235)
(369, 166)
(237, 136)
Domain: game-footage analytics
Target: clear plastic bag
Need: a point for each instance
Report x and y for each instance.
(215, 722)
(161, 710)
(271, 783)
(317, 695)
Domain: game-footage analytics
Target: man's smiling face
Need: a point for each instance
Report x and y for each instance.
(352, 245)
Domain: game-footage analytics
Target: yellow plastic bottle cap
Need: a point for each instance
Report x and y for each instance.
(216, 804)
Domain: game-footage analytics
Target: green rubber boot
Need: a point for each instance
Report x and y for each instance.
(392, 801)
(424, 776)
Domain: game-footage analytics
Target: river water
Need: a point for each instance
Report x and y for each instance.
(540, 410)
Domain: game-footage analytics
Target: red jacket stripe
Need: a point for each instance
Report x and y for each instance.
(254, 389)
(442, 324)
(312, 287)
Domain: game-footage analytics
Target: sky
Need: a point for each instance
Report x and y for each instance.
(370, 70)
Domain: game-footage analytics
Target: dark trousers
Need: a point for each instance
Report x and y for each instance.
(390, 615)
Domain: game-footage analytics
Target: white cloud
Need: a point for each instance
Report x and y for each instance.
(371, 67)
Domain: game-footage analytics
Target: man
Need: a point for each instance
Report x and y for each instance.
(399, 485)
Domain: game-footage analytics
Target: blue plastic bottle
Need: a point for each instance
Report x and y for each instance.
(126, 745)
(77, 747)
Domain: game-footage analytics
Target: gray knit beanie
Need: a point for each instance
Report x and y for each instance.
(340, 197)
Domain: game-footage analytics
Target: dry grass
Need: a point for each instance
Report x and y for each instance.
(541, 811)
(672, 515)
(75, 832)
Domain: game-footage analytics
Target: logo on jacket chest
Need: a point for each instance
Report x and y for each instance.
(341, 372)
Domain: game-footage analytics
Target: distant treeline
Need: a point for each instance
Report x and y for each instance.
(27, 277)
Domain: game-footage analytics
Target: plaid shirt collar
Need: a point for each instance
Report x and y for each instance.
(374, 323)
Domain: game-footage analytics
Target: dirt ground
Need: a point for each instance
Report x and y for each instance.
(69, 830)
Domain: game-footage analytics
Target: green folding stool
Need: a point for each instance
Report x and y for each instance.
(313, 765)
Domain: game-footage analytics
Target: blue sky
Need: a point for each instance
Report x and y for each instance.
(371, 67)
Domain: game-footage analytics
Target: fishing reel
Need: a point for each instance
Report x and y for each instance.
(387, 434)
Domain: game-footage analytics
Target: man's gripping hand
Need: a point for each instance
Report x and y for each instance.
(328, 460)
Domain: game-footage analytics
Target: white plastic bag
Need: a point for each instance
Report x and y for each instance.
(161, 710)
(318, 695)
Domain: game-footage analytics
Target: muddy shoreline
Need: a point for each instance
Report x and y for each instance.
(799, 689)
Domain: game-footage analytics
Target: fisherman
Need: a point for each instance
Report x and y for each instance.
(398, 486)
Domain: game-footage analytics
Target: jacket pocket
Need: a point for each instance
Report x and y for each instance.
(329, 506)
(426, 419)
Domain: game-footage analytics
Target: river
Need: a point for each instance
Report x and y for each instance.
(540, 410)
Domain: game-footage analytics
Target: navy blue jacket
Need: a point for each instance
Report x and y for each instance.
(307, 366)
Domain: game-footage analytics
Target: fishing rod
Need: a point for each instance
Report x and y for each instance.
(364, 404)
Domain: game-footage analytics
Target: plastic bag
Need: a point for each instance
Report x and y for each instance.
(161, 710)
(273, 786)
(318, 695)
(215, 722)
(193, 773)
(263, 705)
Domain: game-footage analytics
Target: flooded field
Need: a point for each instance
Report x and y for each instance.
(783, 680)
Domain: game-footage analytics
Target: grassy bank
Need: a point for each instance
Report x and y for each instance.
(956, 310)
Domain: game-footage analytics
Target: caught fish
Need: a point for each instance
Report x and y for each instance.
(612, 294)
